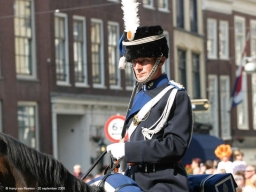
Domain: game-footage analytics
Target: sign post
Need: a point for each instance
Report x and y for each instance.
(200, 104)
(113, 128)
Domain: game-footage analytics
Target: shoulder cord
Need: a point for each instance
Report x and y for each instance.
(145, 109)
(149, 132)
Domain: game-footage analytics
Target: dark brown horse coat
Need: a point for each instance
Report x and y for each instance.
(25, 169)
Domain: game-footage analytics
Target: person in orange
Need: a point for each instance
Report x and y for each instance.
(223, 152)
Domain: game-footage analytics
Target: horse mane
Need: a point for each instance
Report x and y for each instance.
(48, 171)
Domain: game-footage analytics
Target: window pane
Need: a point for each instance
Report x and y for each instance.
(239, 37)
(129, 77)
(78, 47)
(180, 13)
(223, 39)
(162, 4)
(196, 76)
(112, 54)
(95, 51)
(193, 15)
(23, 37)
(182, 67)
(60, 48)
(27, 125)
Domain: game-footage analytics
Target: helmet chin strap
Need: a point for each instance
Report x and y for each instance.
(152, 72)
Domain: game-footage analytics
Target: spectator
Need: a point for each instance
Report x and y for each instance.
(78, 171)
(252, 186)
(196, 165)
(240, 179)
(223, 152)
(209, 167)
(88, 178)
(250, 170)
(238, 163)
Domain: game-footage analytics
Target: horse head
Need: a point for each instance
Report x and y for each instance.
(23, 167)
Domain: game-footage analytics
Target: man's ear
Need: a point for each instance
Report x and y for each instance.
(162, 61)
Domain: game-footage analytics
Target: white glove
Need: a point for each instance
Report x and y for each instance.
(116, 150)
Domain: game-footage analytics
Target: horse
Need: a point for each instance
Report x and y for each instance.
(25, 169)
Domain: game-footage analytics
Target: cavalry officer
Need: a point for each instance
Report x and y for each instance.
(159, 122)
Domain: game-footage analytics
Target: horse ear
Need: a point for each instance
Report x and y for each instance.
(3, 147)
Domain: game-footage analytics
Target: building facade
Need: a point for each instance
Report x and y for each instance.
(59, 76)
(229, 27)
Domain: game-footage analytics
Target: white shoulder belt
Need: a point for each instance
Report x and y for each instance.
(159, 124)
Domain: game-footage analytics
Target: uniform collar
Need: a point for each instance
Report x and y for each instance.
(163, 79)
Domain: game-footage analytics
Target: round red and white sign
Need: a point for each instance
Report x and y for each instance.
(113, 128)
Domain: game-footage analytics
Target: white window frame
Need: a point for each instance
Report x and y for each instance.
(253, 37)
(225, 39)
(33, 51)
(67, 80)
(242, 108)
(150, 6)
(225, 107)
(214, 109)
(85, 83)
(166, 68)
(33, 104)
(118, 86)
(213, 23)
(239, 48)
(254, 100)
(166, 8)
(102, 74)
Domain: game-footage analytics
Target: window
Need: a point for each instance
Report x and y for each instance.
(239, 38)
(61, 49)
(242, 108)
(27, 124)
(79, 50)
(148, 3)
(129, 77)
(213, 98)
(97, 52)
(223, 40)
(24, 39)
(193, 15)
(113, 54)
(211, 39)
(196, 76)
(163, 5)
(254, 100)
(182, 68)
(166, 67)
(180, 13)
(253, 37)
(224, 108)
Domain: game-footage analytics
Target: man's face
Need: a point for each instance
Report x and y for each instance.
(249, 172)
(142, 67)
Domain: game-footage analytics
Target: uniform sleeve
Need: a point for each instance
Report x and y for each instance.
(174, 140)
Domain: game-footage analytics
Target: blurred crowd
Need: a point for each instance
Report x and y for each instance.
(243, 173)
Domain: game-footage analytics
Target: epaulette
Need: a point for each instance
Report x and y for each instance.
(176, 85)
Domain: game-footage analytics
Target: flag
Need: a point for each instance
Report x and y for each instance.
(238, 90)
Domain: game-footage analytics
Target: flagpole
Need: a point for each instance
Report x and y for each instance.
(239, 71)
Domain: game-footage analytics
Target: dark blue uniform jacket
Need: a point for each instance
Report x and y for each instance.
(157, 166)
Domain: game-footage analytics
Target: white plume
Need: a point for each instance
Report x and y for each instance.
(131, 19)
